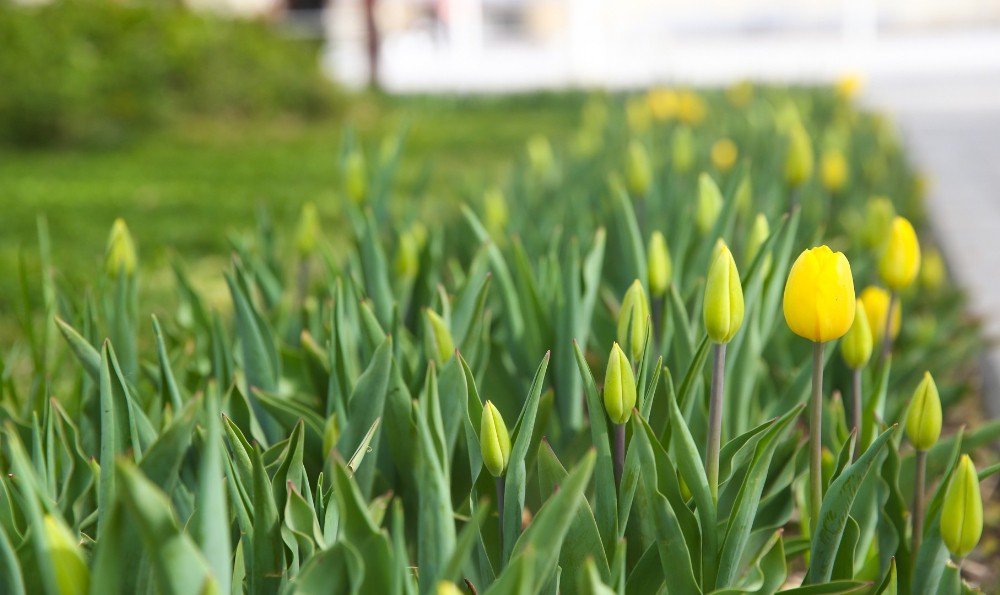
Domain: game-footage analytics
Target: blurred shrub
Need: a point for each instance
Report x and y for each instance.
(95, 71)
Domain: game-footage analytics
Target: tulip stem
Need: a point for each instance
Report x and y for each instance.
(816, 439)
(856, 409)
(887, 335)
(500, 489)
(657, 319)
(918, 500)
(619, 453)
(715, 419)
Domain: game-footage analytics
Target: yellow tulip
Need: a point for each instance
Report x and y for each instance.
(932, 270)
(495, 213)
(819, 295)
(691, 108)
(799, 160)
(709, 204)
(833, 170)
(879, 214)
(923, 418)
(876, 301)
(540, 156)
(407, 255)
(900, 260)
(962, 510)
(494, 440)
(682, 149)
(638, 114)
(659, 264)
(724, 154)
(638, 169)
(759, 232)
(663, 103)
(619, 387)
(120, 256)
(856, 348)
(448, 588)
(308, 232)
(723, 297)
(849, 85)
(632, 319)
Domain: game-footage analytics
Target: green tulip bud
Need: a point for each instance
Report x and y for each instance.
(407, 255)
(355, 178)
(540, 156)
(632, 318)
(962, 510)
(743, 198)
(799, 160)
(308, 232)
(120, 256)
(723, 298)
(619, 387)
(923, 419)
(682, 149)
(856, 346)
(494, 441)
(879, 215)
(438, 338)
(759, 232)
(659, 264)
(638, 170)
(495, 211)
(709, 203)
(447, 588)
(65, 555)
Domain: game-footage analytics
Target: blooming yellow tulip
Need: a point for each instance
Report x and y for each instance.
(819, 295)
(900, 260)
(723, 297)
(876, 301)
(724, 154)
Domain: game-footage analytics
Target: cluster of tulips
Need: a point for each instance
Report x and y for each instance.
(340, 421)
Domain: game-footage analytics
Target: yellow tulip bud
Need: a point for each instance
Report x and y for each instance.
(619, 387)
(740, 94)
(962, 510)
(876, 301)
(120, 256)
(65, 555)
(691, 108)
(799, 161)
(709, 204)
(932, 270)
(663, 103)
(540, 156)
(849, 85)
(407, 255)
(900, 261)
(308, 232)
(355, 177)
(856, 348)
(819, 295)
(438, 337)
(923, 418)
(495, 213)
(638, 114)
(879, 214)
(759, 232)
(638, 170)
(448, 588)
(724, 153)
(659, 264)
(682, 149)
(632, 319)
(833, 170)
(494, 440)
(723, 298)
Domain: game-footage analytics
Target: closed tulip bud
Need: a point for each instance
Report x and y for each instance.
(833, 170)
(799, 160)
(663, 103)
(540, 156)
(879, 214)
(632, 317)
(923, 418)
(659, 264)
(407, 255)
(724, 153)
(856, 348)
(691, 108)
(962, 510)
(638, 114)
(900, 260)
(308, 231)
(438, 338)
(619, 387)
(494, 440)
(876, 301)
(120, 256)
(495, 213)
(682, 149)
(638, 170)
(743, 197)
(932, 271)
(709, 203)
(65, 555)
(819, 295)
(355, 177)
(723, 298)
(759, 232)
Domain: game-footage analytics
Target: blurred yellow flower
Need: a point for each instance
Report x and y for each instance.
(819, 295)
(120, 256)
(849, 85)
(833, 170)
(876, 301)
(878, 217)
(663, 103)
(638, 114)
(709, 204)
(740, 94)
(659, 265)
(724, 154)
(799, 159)
(691, 108)
(638, 169)
(900, 260)
(495, 213)
(932, 270)
(682, 149)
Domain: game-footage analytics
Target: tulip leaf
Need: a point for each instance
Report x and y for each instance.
(831, 588)
(89, 357)
(436, 529)
(213, 531)
(341, 565)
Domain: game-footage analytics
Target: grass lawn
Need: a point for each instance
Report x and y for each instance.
(184, 188)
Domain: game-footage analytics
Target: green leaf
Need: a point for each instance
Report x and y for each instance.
(89, 357)
(213, 531)
(340, 566)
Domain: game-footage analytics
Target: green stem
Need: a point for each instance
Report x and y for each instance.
(715, 419)
(500, 489)
(856, 410)
(619, 453)
(816, 439)
(918, 500)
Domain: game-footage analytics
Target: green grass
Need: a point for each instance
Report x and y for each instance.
(183, 189)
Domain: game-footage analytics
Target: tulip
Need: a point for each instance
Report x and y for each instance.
(723, 318)
(540, 157)
(65, 555)
(659, 264)
(740, 94)
(879, 214)
(438, 338)
(962, 510)
(724, 153)
(833, 170)
(856, 349)
(308, 231)
(759, 232)
(691, 108)
(638, 170)
(900, 260)
(743, 197)
(632, 320)
(848, 86)
(709, 204)
(923, 428)
(120, 256)
(638, 115)
(495, 213)
(447, 588)
(619, 400)
(819, 305)
(494, 440)
(799, 160)
(663, 103)
(355, 178)
(932, 270)
(682, 149)
(876, 301)
(407, 255)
